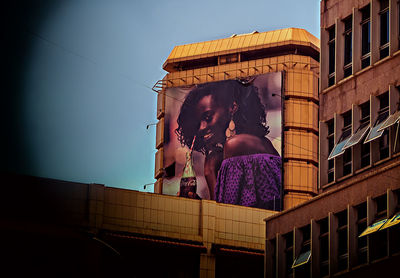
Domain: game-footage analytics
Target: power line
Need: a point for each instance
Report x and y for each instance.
(83, 57)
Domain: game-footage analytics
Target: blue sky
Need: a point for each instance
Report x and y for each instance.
(81, 75)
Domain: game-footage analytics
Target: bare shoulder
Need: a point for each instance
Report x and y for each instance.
(245, 144)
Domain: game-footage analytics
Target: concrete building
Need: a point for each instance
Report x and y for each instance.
(359, 165)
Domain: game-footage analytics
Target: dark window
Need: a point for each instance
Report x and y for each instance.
(384, 139)
(348, 46)
(384, 28)
(347, 162)
(331, 46)
(304, 270)
(378, 239)
(365, 148)
(228, 59)
(331, 144)
(366, 37)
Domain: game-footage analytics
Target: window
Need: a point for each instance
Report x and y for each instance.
(301, 261)
(384, 28)
(342, 240)
(365, 36)
(383, 114)
(348, 46)
(331, 144)
(228, 59)
(331, 46)
(379, 238)
(346, 133)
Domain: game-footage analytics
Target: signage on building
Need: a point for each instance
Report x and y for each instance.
(233, 131)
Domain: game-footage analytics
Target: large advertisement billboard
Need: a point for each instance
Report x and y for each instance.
(223, 139)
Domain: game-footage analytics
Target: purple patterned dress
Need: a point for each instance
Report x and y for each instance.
(250, 180)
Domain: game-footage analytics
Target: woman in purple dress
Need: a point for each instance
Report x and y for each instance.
(241, 165)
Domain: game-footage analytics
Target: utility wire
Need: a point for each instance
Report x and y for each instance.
(83, 57)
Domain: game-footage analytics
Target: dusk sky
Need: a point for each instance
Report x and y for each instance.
(79, 75)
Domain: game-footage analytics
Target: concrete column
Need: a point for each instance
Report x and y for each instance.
(393, 26)
(280, 257)
(356, 40)
(375, 31)
(324, 62)
(323, 155)
(269, 255)
(333, 240)
(339, 50)
(352, 235)
(374, 101)
(356, 115)
(371, 211)
(338, 133)
(315, 249)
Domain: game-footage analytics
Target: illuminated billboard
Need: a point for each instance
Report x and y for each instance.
(228, 135)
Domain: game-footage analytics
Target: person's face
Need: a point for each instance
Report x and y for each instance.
(213, 121)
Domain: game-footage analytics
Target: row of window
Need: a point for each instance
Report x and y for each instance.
(365, 32)
(383, 233)
(380, 137)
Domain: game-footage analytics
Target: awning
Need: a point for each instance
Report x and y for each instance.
(225, 249)
(303, 258)
(373, 228)
(159, 241)
(357, 136)
(338, 149)
(375, 133)
(394, 118)
(392, 221)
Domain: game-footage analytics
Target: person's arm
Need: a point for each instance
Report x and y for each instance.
(212, 164)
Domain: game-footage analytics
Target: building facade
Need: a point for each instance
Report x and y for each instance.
(295, 52)
(347, 230)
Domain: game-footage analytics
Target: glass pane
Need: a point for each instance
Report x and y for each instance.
(366, 38)
(374, 133)
(365, 62)
(357, 136)
(384, 28)
(393, 221)
(332, 57)
(391, 120)
(302, 259)
(338, 149)
(373, 228)
(347, 48)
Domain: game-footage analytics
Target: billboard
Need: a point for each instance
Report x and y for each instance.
(228, 135)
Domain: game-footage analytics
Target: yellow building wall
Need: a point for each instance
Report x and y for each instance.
(205, 221)
(300, 116)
